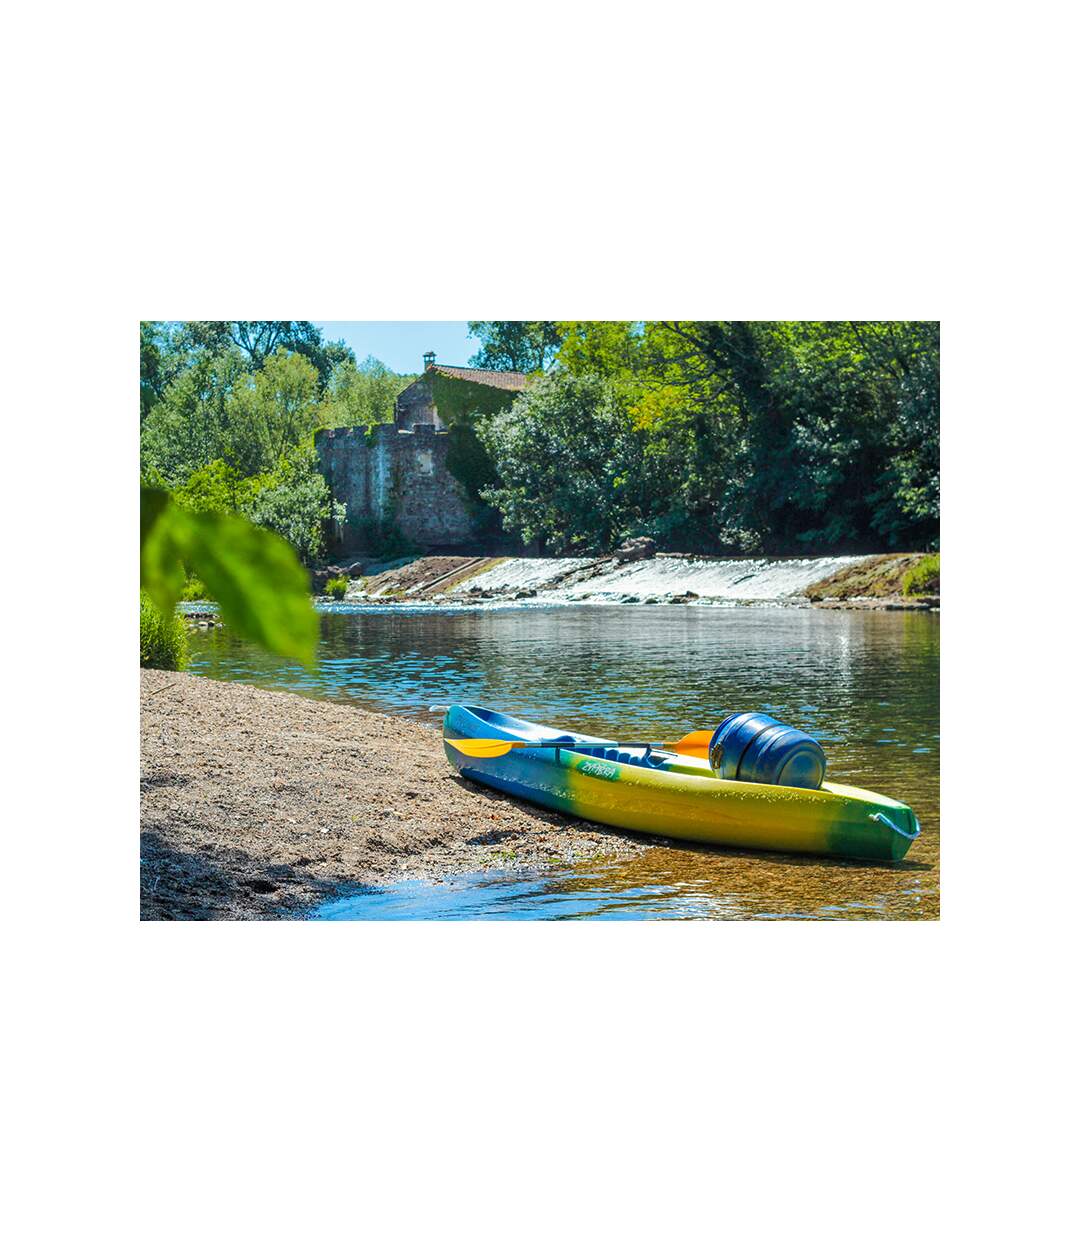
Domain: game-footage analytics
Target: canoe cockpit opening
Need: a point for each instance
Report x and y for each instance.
(641, 759)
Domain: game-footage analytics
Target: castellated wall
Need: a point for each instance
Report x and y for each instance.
(395, 478)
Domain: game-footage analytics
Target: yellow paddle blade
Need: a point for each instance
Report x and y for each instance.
(695, 744)
(481, 748)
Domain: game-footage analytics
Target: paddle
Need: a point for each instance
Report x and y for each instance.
(696, 744)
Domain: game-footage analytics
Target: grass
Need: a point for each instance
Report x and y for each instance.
(925, 577)
(162, 640)
(336, 587)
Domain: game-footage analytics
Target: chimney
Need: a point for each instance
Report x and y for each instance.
(429, 360)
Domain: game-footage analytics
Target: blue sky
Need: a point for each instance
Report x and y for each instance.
(402, 343)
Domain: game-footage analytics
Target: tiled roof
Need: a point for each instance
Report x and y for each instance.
(512, 380)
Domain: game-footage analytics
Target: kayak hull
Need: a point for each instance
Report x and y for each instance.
(677, 796)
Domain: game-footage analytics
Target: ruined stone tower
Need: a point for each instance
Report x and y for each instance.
(396, 478)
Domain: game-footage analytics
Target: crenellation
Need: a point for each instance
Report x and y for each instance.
(396, 475)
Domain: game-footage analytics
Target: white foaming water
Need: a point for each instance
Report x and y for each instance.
(524, 573)
(664, 577)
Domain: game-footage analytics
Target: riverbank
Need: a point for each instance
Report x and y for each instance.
(875, 582)
(259, 804)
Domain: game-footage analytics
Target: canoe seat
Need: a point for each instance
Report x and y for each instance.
(624, 756)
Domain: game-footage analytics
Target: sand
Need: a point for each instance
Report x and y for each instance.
(260, 804)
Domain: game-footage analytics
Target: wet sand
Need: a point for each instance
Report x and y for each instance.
(259, 804)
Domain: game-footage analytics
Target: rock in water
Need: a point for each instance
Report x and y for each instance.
(639, 549)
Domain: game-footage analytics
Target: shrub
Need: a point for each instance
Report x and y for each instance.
(925, 577)
(194, 588)
(336, 587)
(294, 501)
(162, 640)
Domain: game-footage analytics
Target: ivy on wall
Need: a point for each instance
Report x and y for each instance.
(470, 463)
(460, 404)
(458, 400)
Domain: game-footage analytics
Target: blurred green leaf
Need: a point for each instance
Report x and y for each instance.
(152, 503)
(260, 586)
(161, 559)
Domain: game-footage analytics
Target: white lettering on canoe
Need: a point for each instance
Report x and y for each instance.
(606, 771)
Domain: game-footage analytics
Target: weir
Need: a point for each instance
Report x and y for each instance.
(577, 579)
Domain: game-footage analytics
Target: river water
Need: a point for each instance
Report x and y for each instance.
(865, 684)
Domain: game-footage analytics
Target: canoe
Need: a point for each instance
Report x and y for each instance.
(677, 796)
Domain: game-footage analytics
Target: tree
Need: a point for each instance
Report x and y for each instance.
(274, 410)
(361, 396)
(514, 344)
(257, 340)
(217, 409)
(151, 379)
(190, 426)
(294, 501)
(569, 461)
(777, 436)
(160, 362)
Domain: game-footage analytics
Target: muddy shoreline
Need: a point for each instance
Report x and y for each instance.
(259, 804)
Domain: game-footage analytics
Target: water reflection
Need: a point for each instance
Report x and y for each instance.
(864, 683)
(662, 884)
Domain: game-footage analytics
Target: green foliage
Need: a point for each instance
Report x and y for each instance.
(361, 396)
(515, 344)
(260, 587)
(275, 410)
(194, 589)
(570, 463)
(763, 437)
(336, 587)
(384, 540)
(215, 488)
(162, 637)
(216, 408)
(257, 340)
(192, 424)
(459, 400)
(294, 500)
(470, 463)
(925, 577)
(777, 436)
(614, 348)
(153, 370)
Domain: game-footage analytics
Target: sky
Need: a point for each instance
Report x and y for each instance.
(402, 343)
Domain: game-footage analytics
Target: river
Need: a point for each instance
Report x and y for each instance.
(864, 683)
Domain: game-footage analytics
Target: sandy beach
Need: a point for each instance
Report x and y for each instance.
(260, 804)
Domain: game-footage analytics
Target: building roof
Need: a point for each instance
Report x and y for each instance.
(514, 381)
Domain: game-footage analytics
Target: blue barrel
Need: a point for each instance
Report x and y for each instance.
(750, 746)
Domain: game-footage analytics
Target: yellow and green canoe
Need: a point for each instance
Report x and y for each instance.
(677, 796)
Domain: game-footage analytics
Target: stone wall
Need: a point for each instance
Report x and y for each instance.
(416, 404)
(395, 478)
